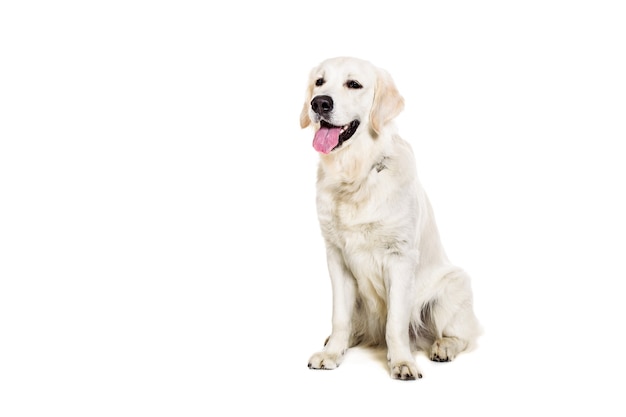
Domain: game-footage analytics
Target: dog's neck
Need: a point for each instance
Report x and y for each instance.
(380, 165)
(348, 168)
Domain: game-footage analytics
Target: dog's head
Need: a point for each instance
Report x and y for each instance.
(346, 96)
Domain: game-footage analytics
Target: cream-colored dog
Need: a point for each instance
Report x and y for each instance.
(392, 283)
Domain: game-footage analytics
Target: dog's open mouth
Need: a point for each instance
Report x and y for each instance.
(329, 137)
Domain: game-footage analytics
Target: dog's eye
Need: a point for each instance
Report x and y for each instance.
(319, 81)
(353, 84)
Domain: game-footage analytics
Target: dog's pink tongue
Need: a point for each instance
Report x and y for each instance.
(326, 139)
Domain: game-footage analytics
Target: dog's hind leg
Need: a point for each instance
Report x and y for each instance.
(452, 318)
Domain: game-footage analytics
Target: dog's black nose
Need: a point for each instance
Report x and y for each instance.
(322, 104)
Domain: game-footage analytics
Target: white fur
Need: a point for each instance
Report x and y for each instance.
(391, 280)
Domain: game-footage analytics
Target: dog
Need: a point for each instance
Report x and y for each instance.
(392, 283)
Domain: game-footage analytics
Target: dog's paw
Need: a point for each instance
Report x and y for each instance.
(405, 370)
(444, 350)
(326, 360)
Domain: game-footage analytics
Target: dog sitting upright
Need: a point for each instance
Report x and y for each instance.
(392, 284)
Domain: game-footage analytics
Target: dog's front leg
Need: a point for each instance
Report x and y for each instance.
(400, 297)
(344, 295)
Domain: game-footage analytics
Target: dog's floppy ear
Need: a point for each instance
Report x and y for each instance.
(388, 102)
(305, 120)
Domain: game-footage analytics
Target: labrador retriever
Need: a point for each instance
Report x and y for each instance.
(392, 283)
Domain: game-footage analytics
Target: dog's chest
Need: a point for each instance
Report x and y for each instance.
(354, 217)
(364, 242)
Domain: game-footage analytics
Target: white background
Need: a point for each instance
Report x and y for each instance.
(159, 247)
